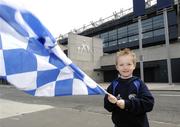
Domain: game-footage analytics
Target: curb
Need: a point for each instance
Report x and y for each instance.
(164, 90)
(104, 87)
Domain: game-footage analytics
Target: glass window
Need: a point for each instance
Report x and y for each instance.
(133, 29)
(112, 35)
(104, 36)
(105, 45)
(147, 25)
(133, 38)
(123, 40)
(112, 43)
(158, 22)
(159, 32)
(172, 18)
(147, 35)
(122, 32)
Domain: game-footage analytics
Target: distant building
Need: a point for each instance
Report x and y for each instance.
(122, 32)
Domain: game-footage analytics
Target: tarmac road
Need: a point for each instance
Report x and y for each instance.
(21, 110)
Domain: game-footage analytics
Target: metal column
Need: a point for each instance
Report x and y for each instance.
(140, 49)
(167, 46)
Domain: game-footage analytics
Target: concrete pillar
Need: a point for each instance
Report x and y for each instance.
(85, 52)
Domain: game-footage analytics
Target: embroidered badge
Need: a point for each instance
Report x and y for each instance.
(131, 96)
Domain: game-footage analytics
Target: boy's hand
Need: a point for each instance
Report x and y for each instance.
(120, 103)
(112, 98)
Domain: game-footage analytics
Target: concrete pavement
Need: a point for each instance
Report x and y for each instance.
(9, 108)
(23, 110)
(163, 86)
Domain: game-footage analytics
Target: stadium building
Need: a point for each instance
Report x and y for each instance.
(121, 30)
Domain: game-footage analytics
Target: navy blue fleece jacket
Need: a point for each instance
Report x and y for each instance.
(138, 101)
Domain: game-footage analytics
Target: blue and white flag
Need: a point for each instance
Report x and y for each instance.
(31, 60)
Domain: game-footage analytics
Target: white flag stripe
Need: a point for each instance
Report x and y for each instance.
(42, 63)
(2, 66)
(79, 88)
(6, 28)
(66, 73)
(46, 90)
(12, 43)
(60, 54)
(90, 82)
(23, 81)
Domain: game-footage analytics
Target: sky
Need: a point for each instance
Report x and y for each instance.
(62, 16)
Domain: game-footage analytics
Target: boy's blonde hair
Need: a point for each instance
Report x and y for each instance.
(124, 52)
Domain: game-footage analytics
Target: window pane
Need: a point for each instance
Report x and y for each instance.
(133, 38)
(112, 43)
(158, 22)
(147, 25)
(105, 45)
(112, 35)
(159, 32)
(104, 36)
(147, 35)
(123, 40)
(122, 32)
(133, 29)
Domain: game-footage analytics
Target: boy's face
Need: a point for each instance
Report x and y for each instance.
(125, 66)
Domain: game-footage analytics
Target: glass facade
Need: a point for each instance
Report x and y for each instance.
(122, 32)
(132, 29)
(112, 35)
(105, 38)
(147, 25)
(151, 28)
(147, 35)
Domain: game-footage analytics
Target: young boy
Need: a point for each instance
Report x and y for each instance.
(129, 98)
